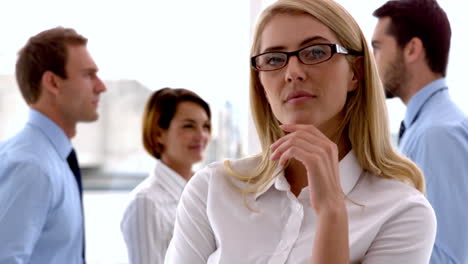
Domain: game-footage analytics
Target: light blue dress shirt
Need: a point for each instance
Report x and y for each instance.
(40, 210)
(436, 138)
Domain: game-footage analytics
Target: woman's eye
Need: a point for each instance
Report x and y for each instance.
(275, 60)
(316, 52)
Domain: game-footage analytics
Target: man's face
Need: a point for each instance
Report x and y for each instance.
(389, 58)
(79, 92)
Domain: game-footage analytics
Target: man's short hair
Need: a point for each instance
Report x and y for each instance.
(423, 19)
(46, 51)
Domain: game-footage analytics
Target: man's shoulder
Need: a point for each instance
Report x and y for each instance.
(455, 132)
(437, 143)
(441, 111)
(20, 167)
(442, 121)
(27, 149)
(28, 140)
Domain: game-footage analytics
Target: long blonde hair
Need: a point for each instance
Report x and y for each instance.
(365, 119)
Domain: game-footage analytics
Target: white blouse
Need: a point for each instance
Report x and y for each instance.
(389, 221)
(148, 221)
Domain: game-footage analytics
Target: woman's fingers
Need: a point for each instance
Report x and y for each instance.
(308, 133)
(301, 127)
(318, 154)
(290, 146)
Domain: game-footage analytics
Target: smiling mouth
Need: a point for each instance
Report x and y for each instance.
(197, 147)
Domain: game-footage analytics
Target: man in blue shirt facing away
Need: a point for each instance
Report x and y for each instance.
(411, 45)
(41, 218)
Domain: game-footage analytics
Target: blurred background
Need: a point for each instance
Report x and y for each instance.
(145, 45)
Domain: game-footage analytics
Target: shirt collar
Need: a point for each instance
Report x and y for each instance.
(169, 179)
(417, 101)
(349, 170)
(52, 131)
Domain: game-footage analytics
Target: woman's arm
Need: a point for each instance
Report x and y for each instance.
(407, 237)
(146, 234)
(331, 238)
(319, 155)
(193, 240)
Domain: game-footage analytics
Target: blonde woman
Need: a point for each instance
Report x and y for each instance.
(176, 131)
(328, 187)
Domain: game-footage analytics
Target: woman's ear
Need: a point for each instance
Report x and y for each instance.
(157, 135)
(160, 136)
(158, 141)
(358, 72)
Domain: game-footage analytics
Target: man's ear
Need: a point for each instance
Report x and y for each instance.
(50, 82)
(413, 50)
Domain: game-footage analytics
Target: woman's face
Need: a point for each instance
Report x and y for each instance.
(187, 136)
(299, 93)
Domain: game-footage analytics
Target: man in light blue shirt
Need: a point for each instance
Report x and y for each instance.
(41, 218)
(411, 44)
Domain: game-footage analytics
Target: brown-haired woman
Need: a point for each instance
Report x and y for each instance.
(176, 131)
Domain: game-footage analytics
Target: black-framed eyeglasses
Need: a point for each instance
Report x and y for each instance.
(310, 55)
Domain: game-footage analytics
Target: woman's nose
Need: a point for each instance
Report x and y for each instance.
(295, 70)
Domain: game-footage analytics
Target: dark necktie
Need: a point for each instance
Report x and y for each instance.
(401, 132)
(75, 168)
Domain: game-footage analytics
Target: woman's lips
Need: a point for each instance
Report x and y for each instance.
(299, 97)
(298, 100)
(197, 147)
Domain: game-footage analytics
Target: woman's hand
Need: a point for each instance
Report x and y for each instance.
(319, 155)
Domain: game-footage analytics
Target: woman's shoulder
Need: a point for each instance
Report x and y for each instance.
(158, 186)
(213, 171)
(146, 186)
(217, 176)
(391, 192)
(395, 218)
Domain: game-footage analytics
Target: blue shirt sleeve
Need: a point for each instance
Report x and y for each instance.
(442, 154)
(25, 193)
(439, 256)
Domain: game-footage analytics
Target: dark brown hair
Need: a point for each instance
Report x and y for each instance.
(159, 112)
(46, 51)
(423, 19)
